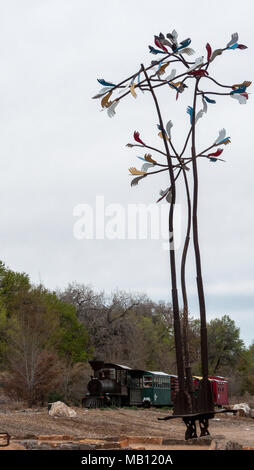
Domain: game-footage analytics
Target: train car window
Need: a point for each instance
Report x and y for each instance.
(108, 374)
(166, 383)
(148, 381)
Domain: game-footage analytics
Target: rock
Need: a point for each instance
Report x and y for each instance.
(244, 407)
(252, 413)
(68, 446)
(30, 444)
(144, 440)
(108, 445)
(86, 446)
(44, 446)
(200, 441)
(55, 437)
(224, 444)
(60, 409)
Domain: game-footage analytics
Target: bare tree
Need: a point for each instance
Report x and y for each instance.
(30, 360)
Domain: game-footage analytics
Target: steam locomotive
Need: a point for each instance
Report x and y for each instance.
(119, 385)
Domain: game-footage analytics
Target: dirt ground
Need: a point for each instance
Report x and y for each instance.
(101, 423)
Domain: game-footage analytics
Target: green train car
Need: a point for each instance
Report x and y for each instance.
(149, 388)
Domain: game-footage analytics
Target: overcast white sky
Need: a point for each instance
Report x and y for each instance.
(58, 150)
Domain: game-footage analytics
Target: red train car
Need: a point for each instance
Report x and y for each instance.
(219, 387)
(174, 385)
(220, 390)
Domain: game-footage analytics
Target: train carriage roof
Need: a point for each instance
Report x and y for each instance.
(98, 365)
(140, 372)
(211, 378)
(154, 372)
(116, 366)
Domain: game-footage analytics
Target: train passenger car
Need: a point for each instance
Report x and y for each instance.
(174, 387)
(220, 390)
(149, 388)
(219, 386)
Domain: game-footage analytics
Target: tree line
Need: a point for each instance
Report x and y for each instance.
(47, 339)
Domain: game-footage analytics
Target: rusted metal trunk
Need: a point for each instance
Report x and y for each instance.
(205, 401)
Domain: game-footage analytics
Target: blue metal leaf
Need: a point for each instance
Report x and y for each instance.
(209, 100)
(190, 112)
(104, 83)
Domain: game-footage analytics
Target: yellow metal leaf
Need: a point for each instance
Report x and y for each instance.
(245, 83)
(134, 171)
(175, 84)
(134, 94)
(162, 69)
(104, 102)
(161, 135)
(148, 158)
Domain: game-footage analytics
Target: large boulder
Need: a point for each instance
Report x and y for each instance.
(244, 407)
(60, 409)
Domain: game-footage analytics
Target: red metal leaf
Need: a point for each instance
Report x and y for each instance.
(158, 43)
(216, 154)
(136, 137)
(199, 73)
(209, 51)
(242, 46)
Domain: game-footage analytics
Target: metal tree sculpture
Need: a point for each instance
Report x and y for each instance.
(148, 79)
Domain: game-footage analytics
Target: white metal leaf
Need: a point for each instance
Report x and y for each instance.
(169, 196)
(199, 61)
(169, 126)
(111, 109)
(163, 192)
(204, 105)
(171, 76)
(187, 50)
(240, 98)
(102, 91)
(221, 136)
(145, 166)
(199, 115)
(233, 40)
